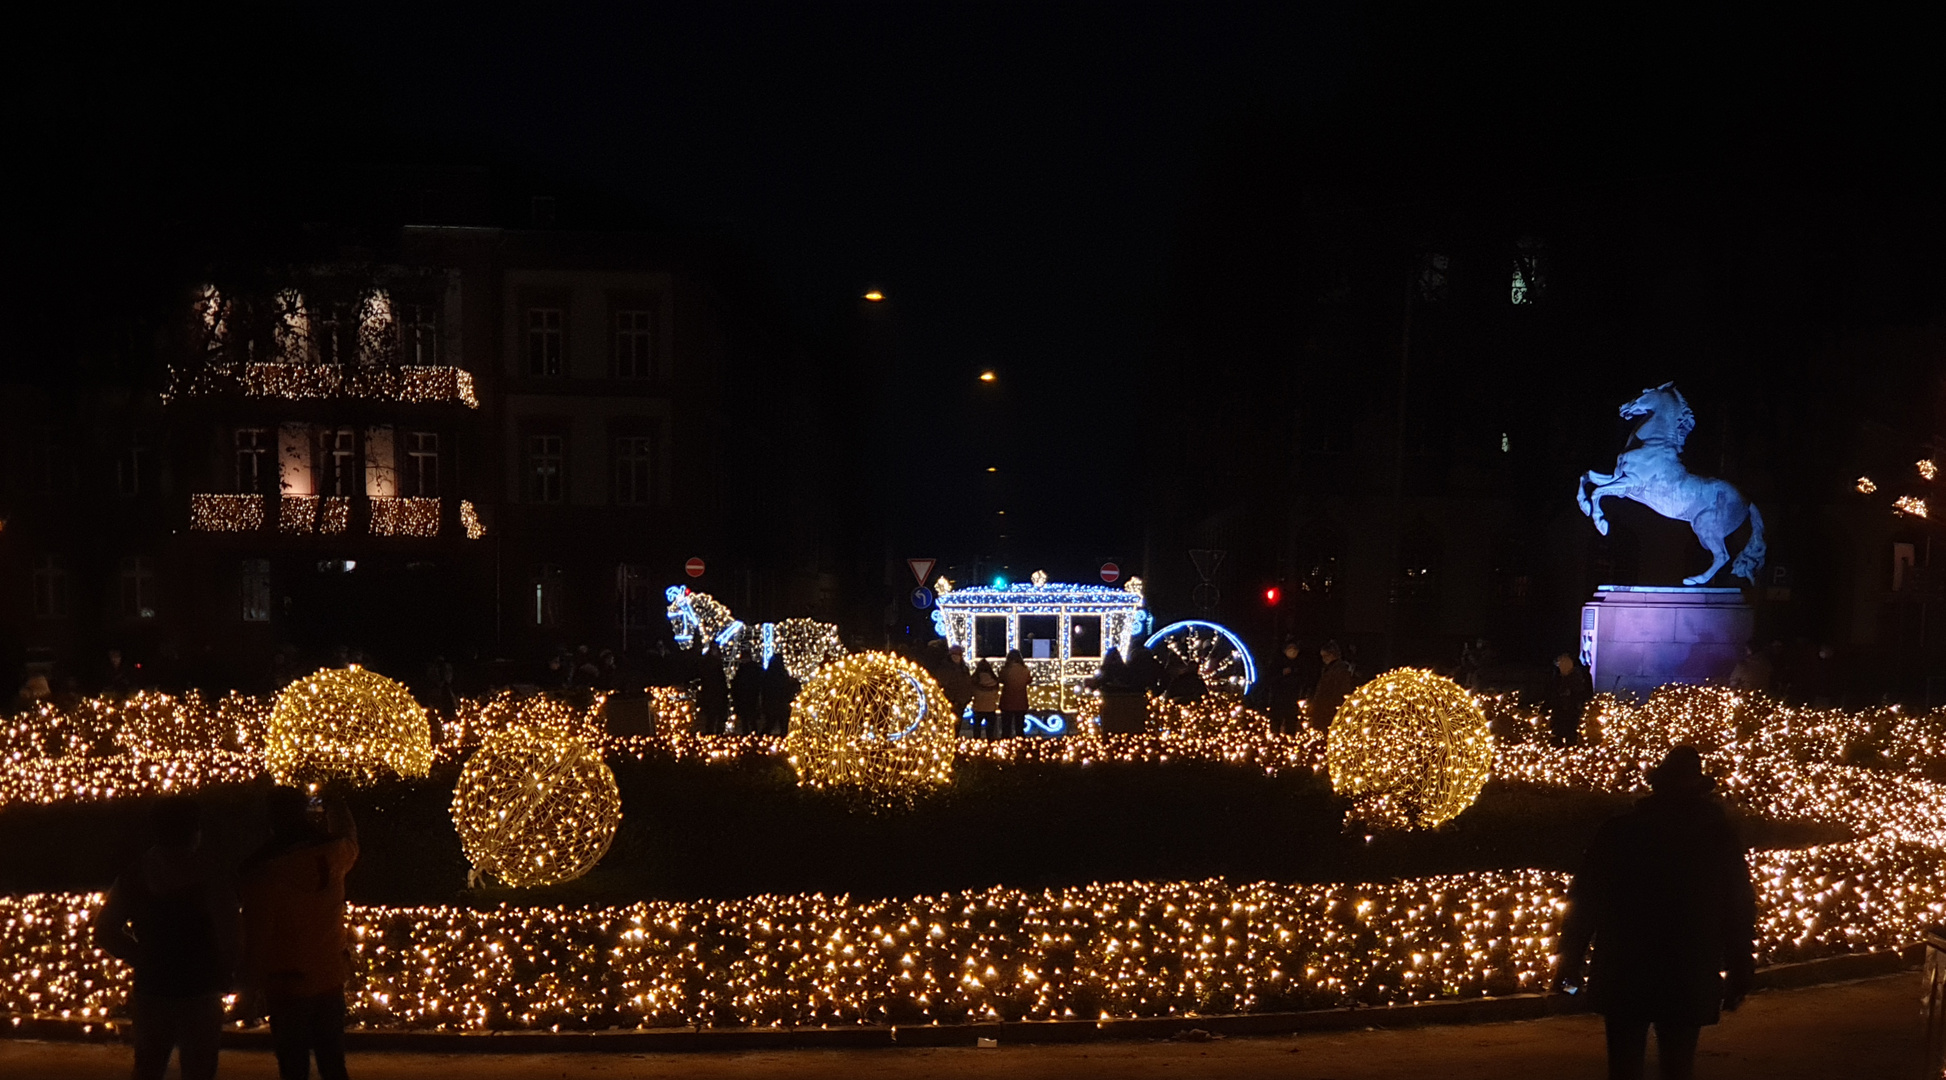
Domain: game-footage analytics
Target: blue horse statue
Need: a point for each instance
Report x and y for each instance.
(1651, 472)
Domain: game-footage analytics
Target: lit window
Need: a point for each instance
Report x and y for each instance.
(50, 588)
(254, 582)
(138, 587)
(634, 345)
(1530, 271)
(422, 464)
(547, 594)
(634, 470)
(341, 458)
(544, 468)
(544, 341)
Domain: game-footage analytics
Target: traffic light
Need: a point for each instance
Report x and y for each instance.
(1272, 594)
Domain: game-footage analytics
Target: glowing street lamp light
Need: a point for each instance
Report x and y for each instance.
(988, 376)
(875, 296)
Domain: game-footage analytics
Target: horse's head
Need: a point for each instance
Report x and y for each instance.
(1666, 404)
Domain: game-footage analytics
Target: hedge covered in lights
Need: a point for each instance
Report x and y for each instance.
(1123, 949)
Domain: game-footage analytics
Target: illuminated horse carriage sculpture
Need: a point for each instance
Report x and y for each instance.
(1063, 632)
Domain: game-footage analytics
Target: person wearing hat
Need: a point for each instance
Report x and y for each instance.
(1664, 897)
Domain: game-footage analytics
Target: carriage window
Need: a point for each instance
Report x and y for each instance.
(1040, 637)
(1084, 635)
(989, 635)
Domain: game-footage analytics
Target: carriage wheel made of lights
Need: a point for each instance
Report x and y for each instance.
(1217, 654)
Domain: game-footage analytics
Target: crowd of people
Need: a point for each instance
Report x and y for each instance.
(273, 931)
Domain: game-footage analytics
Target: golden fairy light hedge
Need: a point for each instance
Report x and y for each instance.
(1125, 949)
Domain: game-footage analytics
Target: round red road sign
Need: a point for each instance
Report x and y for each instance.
(694, 568)
(1110, 572)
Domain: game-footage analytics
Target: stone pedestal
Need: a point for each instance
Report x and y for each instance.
(1635, 638)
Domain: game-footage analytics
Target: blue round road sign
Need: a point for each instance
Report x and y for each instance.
(922, 598)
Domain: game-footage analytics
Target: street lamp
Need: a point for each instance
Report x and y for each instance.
(875, 296)
(988, 376)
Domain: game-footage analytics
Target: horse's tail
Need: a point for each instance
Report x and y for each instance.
(1751, 558)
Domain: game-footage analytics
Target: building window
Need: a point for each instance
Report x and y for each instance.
(138, 587)
(133, 470)
(50, 588)
(341, 460)
(419, 333)
(634, 470)
(640, 601)
(252, 457)
(332, 328)
(422, 464)
(545, 461)
(634, 345)
(1530, 271)
(255, 588)
(50, 466)
(544, 341)
(547, 594)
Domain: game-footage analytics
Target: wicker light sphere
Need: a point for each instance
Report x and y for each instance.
(348, 723)
(1410, 748)
(872, 723)
(535, 807)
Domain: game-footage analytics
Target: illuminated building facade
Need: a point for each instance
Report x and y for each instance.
(475, 442)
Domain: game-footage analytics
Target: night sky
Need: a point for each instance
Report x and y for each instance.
(1016, 178)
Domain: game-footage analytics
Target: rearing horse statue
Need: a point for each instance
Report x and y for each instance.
(1651, 472)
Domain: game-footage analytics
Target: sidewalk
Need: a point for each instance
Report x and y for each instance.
(1865, 1029)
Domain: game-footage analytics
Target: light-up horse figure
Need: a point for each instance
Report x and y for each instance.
(1651, 472)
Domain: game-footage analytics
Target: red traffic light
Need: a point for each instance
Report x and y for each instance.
(1272, 595)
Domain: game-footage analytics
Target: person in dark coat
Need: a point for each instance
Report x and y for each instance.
(1014, 678)
(1664, 897)
(174, 919)
(779, 691)
(1334, 686)
(1287, 686)
(956, 682)
(1568, 692)
(713, 696)
(747, 692)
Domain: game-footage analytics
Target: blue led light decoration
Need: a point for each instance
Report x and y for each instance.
(960, 615)
(1217, 654)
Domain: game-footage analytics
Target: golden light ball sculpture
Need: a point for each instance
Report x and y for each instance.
(871, 723)
(535, 807)
(1410, 748)
(349, 723)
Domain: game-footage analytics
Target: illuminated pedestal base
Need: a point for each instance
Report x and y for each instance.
(1635, 638)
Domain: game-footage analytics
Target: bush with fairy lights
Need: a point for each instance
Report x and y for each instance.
(1411, 749)
(349, 723)
(535, 806)
(872, 724)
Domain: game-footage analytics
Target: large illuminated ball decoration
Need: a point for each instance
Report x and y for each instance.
(349, 723)
(1410, 748)
(874, 724)
(535, 807)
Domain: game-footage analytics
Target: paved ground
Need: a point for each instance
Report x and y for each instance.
(1868, 1029)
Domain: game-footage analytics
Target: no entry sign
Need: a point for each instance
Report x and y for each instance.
(694, 568)
(1110, 573)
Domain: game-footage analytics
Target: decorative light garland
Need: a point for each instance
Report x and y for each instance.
(404, 516)
(226, 513)
(410, 384)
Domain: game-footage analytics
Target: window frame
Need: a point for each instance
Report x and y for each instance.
(253, 582)
(138, 583)
(417, 457)
(534, 453)
(50, 584)
(633, 349)
(634, 473)
(547, 352)
(257, 450)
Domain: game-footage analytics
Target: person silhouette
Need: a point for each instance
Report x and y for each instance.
(1664, 897)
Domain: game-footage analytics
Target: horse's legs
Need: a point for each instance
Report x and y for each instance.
(1611, 488)
(1709, 532)
(1587, 479)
